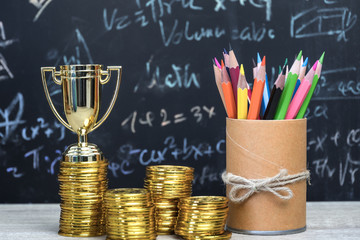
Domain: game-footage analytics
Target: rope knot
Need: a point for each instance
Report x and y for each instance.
(275, 185)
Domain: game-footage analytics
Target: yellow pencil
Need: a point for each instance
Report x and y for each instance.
(242, 95)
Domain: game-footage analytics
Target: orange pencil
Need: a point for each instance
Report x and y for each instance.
(228, 92)
(257, 92)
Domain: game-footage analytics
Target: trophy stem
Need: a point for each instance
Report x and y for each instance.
(82, 138)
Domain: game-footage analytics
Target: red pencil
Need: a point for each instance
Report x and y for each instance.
(257, 92)
(234, 72)
(228, 92)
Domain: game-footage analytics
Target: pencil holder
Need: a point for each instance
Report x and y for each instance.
(266, 176)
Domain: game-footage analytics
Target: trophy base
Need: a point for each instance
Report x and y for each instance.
(83, 182)
(88, 153)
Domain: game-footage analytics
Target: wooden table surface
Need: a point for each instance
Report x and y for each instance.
(325, 220)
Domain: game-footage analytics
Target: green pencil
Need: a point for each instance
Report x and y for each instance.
(306, 102)
(288, 89)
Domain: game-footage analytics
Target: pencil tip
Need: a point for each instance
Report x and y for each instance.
(225, 51)
(242, 72)
(222, 64)
(254, 64)
(217, 63)
(258, 58)
(305, 62)
(299, 55)
(213, 61)
(284, 70)
(263, 61)
(286, 60)
(315, 65)
(230, 48)
(321, 60)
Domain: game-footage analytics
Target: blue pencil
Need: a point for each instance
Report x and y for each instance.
(266, 93)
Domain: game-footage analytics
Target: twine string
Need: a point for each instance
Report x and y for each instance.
(274, 185)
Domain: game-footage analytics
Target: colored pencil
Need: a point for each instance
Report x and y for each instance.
(217, 75)
(275, 96)
(303, 69)
(301, 76)
(226, 60)
(300, 95)
(306, 102)
(234, 72)
(258, 61)
(266, 93)
(228, 92)
(266, 96)
(287, 72)
(257, 92)
(242, 96)
(288, 89)
(217, 63)
(254, 69)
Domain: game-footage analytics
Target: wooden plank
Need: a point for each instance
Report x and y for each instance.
(325, 220)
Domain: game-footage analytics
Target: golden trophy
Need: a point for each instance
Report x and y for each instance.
(83, 168)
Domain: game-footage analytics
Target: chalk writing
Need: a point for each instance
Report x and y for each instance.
(179, 77)
(40, 5)
(43, 128)
(348, 169)
(175, 36)
(39, 161)
(207, 175)
(157, 10)
(252, 33)
(34, 156)
(5, 72)
(11, 118)
(4, 42)
(120, 22)
(159, 7)
(322, 22)
(170, 149)
(266, 4)
(149, 118)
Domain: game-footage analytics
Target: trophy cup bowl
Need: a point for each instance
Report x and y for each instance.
(83, 168)
(81, 89)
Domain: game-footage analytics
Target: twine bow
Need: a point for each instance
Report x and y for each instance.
(274, 184)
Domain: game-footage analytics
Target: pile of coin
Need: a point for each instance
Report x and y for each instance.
(167, 184)
(202, 217)
(82, 187)
(129, 214)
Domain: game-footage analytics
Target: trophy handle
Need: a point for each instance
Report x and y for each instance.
(107, 73)
(54, 73)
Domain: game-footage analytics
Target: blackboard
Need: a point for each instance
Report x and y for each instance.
(168, 110)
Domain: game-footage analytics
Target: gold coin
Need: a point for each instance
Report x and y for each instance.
(158, 168)
(81, 228)
(80, 234)
(129, 192)
(137, 237)
(187, 232)
(225, 236)
(205, 199)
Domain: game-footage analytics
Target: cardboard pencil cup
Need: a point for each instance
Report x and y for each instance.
(266, 176)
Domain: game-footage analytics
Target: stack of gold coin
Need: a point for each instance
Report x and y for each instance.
(82, 187)
(202, 217)
(167, 184)
(129, 214)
